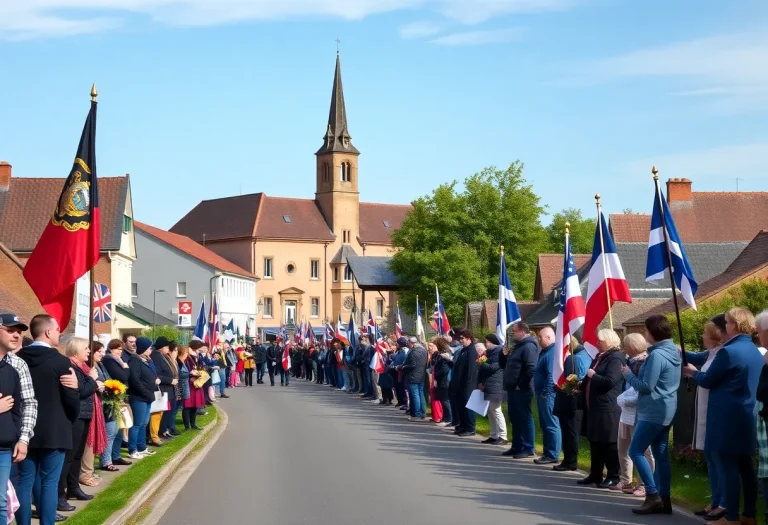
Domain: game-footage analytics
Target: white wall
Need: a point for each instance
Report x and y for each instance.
(121, 279)
(237, 300)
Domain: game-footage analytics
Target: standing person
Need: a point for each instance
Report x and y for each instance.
(196, 400)
(98, 435)
(567, 406)
(141, 395)
(273, 355)
(761, 325)
(732, 381)
(490, 379)
(249, 364)
(77, 351)
(168, 377)
(338, 350)
(284, 370)
(519, 362)
(544, 388)
(603, 385)
(55, 381)
(415, 371)
(656, 384)
(182, 387)
(260, 358)
(168, 423)
(441, 373)
(399, 359)
(464, 381)
(118, 370)
(320, 357)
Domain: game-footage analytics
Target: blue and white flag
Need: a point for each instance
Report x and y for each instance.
(657, 253)
(229, 332)
(201, 326)
(507, 311)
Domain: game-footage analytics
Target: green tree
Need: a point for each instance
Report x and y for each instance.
(582, 232)
(170, 332)
(453, 237)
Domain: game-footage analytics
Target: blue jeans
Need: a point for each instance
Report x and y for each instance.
(222, 385)
(521, 418)
(137, 435)
(108, 455)
(657, 437)
(260, 372)
(550, 426)
(339, 378)
(418, 403)
(715, 483)
(39, 473)
(5, 475)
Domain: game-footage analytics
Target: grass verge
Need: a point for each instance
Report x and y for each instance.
(121, 490)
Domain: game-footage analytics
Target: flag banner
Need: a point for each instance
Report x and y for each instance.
(570, 314)
(70, 244)
(201, 327)
(352, 332)
(399, 323)
(658, 259)
(102, 304)
(419, 324)
(439, 318)
(370, 326)
(507, 311)
(341, 331)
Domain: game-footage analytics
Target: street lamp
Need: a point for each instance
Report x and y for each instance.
(154, 302)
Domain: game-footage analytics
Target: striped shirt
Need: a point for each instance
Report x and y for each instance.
(28, 401)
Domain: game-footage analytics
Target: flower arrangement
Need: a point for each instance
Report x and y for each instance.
(113, 395)
(571, 385)
(481, 360)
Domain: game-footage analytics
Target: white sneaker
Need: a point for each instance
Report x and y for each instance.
(374, 401)
(148, 452)
(136, 455)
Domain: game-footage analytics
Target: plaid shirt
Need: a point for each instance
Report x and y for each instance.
(28, 401)
(762, 445)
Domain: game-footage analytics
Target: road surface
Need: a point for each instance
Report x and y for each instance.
(307, 454)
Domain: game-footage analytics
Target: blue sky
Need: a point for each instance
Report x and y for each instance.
(209, 98)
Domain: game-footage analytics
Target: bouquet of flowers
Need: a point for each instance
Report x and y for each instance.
(481, 360)
(571, 385)
(114, 395)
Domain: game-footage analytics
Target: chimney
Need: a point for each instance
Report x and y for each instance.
(679, 190)
(5, 175)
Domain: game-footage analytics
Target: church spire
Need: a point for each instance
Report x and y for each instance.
(337, 137)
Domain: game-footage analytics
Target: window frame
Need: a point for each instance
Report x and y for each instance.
(268, 302)
(348, 270)
(271, 273)
(314, 302)
(178, 289)
(314, 269)
(379, 308)
(134, 286)
(127, 224)
(335, 274)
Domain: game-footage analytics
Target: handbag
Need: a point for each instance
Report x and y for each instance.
(12, 501)
(124, 417)
(201, 379)
(160, 404)
(215, 378)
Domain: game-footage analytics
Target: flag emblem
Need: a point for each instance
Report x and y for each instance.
(102, 304)
(72, 209)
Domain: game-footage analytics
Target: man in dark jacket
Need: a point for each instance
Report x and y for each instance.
(464, 381)
(260, 358)
(519, 362)
(56, 388)
(415, 371)
(273, 356)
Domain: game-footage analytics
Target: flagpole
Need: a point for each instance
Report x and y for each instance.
(605, 261)
(91, 272)
(655, 172)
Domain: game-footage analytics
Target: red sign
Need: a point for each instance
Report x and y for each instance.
(185, 307)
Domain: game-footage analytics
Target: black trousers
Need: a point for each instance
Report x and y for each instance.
(400, 392)
(320, 373)
(604, 455)
(271, 371)
(467, 416)
(308, 368)
(70, 472)
(455, 400)
(249, 377)
(387, 395)
(189, 416)
(571, 429)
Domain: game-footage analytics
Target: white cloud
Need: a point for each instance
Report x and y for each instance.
(44, 18)
(419, 30)
(477, 38)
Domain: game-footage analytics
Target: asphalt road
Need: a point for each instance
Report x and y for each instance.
(307, 454)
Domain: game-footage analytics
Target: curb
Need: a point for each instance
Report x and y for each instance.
(179, 465)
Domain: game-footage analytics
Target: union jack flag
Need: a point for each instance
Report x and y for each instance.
(102, 304)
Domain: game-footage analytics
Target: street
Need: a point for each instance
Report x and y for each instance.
(309, 454)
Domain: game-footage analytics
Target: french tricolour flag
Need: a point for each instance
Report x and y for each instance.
(570, 315)
(439, 318)
(341, 331)
(606, 278)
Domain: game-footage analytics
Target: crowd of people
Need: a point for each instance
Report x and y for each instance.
(60, 426)
(623, 400)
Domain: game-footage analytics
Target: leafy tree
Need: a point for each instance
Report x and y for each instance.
(170, 332)
(453, 237)
(582, 232)
(627, 211)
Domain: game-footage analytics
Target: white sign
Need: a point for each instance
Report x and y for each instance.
(83, 312)
(185, 313)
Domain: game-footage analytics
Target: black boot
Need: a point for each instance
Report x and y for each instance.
(78, 494)
(64, 506)
(652, 505)
(590, 480)
(667, 505)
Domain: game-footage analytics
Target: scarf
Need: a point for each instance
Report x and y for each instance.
(97, 430)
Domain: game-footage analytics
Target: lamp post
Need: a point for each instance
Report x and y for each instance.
(154, 303)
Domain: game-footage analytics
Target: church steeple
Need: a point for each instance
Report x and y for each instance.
(337, 137)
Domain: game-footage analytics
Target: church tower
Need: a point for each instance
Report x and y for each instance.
(337, 176)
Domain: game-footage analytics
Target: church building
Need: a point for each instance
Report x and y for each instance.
(300, 247)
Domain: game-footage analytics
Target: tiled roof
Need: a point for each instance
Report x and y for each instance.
(373, 272)
(193, 249)
(306, 220)
(753, 258)
(29, 204)
(372, 218)
(549, 271)
(707, 217)
(344, 252)
(220, 219)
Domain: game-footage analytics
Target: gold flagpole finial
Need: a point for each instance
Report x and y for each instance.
(501, 248)
(655, 172)
(597, 198)
(94, 93)
(567, 228)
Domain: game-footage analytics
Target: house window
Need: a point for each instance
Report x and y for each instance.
(346, 236)
(346, 172)
(315, 312)
(379, 308)
(347, 274)
(326, 172)
(314, 269)
(267, 267)
(290, 268)
(287, 219)
(127, 224)
(336, 274)
(267, 307)
(134, 289)
(181, 289)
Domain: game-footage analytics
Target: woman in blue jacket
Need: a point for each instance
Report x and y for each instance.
(732, 380)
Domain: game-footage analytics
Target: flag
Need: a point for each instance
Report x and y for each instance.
(658, 261)
(201, 327)
(380, 353)
(102, 304)
(341, 331)
(439, 319)
(298, 334)
(352, 332)
(70, 244)
(399, 323)
(213, 324)
(507, 311)
(329, 332)
(419, 324)
(370, 326)
(247, 328)
(229, 332)
(605, 274)
(287, 357)
(570, 314)
(310, 332)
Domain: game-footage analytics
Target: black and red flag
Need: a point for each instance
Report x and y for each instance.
(70, 244)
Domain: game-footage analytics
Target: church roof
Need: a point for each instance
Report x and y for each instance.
(373, 273)
(337, 137)
(343, 254)
(378, 221)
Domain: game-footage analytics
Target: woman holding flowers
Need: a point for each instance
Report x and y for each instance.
(196, 397)
(114, 397)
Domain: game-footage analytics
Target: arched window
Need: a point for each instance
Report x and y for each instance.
(346, 172)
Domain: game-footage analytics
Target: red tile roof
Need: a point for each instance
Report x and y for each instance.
(707, 217)
(753, 258)
(193, 249)
(29, 203)
(220, 219)
(549, 271)
(372, 217)
(306, 220)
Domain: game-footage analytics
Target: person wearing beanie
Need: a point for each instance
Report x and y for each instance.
(490, 379)
(397, 362)
(142, 383)
(158, 422)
